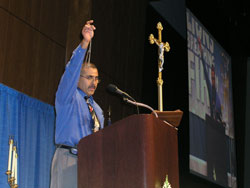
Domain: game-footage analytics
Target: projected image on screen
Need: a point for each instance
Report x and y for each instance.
(212, 143)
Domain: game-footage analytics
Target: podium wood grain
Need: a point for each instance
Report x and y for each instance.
(138, 151)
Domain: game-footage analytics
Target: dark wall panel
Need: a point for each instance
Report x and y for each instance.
(33, 42)
(48, 17)
(79, 13)
(4, 4)
(21, 43)
(4, 16)
(54, 20)
(48, 68)
(118, 49)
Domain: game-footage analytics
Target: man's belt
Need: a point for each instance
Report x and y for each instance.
(71, 149)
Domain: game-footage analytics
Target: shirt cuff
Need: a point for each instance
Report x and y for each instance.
(79, 49)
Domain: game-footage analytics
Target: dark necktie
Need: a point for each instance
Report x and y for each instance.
(96, 123)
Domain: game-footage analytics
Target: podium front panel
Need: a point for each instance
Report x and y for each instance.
(138, 151)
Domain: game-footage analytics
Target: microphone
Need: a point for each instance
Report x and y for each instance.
(114, 89)
(142, 105)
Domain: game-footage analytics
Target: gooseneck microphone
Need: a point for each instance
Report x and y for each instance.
(114, 89)
(127, 98)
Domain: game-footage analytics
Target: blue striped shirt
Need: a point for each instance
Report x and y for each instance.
(73, 119)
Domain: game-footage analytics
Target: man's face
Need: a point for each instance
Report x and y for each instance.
(88, 80)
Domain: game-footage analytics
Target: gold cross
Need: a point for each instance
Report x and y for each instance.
(161, 48)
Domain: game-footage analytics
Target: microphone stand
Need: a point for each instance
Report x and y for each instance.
(140, 104)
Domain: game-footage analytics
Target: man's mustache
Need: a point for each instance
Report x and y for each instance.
(92, 87)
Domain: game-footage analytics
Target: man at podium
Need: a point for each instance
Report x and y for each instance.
(77, 114)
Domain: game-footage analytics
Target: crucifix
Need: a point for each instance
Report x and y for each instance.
(161, 48)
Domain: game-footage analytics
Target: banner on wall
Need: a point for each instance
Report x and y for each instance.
(212, 142)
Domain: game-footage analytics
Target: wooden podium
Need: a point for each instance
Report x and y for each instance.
(136, 152)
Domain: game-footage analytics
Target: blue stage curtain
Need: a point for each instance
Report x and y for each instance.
(32, 124)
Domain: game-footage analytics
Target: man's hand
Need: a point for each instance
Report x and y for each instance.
(87, 33)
